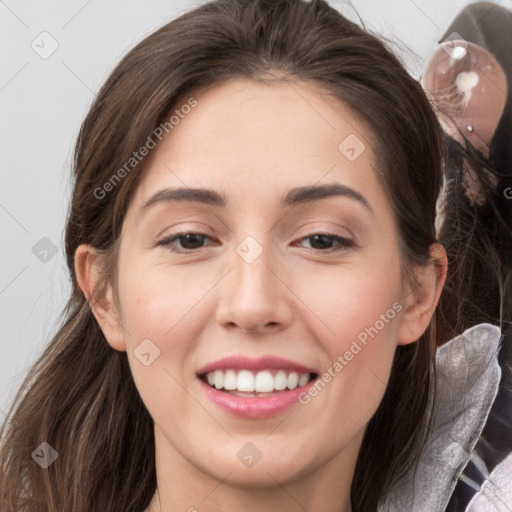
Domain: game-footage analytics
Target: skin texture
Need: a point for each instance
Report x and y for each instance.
(253, 142)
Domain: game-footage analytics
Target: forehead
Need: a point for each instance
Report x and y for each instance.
(252, 139)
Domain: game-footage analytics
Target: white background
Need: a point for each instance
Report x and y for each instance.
(43, 102)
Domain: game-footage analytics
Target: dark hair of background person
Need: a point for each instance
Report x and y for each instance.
(80, 396)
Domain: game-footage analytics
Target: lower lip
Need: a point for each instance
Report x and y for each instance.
(254, 407)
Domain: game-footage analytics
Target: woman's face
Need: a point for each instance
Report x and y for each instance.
(255, 298)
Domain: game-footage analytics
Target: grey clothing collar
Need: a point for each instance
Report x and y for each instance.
(467, 379)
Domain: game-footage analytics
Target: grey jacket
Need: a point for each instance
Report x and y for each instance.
(467, 377)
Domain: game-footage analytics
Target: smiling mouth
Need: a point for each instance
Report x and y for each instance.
(258, 384)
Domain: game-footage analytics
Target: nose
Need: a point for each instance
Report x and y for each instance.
(255, 295)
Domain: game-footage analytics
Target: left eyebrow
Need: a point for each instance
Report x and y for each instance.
(294, 196)
(301, 195)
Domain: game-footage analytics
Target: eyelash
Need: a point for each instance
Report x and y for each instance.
(167, 241)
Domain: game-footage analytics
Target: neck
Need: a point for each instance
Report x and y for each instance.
(184, 486)
(156, 506)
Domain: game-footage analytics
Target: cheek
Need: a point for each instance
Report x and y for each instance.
(358, 302)
(160, 305)
(160, 308)
(159, 301)
(360, 311)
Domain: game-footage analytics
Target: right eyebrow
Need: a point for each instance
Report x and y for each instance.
(200, 195)
(294, 196)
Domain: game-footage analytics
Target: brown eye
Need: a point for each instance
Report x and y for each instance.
(189, 241)
(324, 242)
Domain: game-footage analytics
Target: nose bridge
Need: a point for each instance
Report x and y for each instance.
(255, 296)
(253, 270)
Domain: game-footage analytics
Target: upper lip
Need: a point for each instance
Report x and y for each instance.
(242, 362)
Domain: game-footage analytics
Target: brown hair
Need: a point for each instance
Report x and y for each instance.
(80, 396)
(477, 238)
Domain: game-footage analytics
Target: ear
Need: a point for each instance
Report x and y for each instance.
(103, 307)
(422, 297)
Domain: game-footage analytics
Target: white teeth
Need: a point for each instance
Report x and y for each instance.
(303, 379)
(219, 379)
(245, 381)
(280, 380)
(230, 380)
(264, 381)
(293, 380)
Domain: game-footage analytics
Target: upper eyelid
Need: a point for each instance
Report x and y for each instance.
(175, 236)
(312, 232)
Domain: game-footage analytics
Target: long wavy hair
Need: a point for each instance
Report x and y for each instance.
(80, 396)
